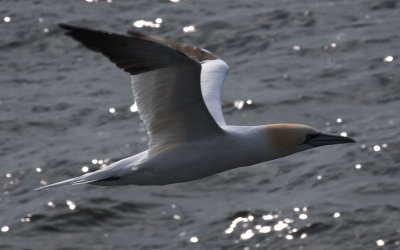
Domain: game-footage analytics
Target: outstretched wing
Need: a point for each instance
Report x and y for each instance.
(213, 72)
(166, 86)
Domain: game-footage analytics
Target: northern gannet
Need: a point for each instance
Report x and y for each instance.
(177, 89)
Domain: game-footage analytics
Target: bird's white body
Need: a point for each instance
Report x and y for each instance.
(237, 147)
(177, 90)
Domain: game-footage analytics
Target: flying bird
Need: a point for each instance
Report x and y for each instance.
(177, 89)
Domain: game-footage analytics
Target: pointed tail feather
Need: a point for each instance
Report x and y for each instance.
(84, 179)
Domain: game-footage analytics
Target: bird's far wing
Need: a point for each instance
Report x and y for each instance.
(213, 72)
(196, 53)
(166, 86)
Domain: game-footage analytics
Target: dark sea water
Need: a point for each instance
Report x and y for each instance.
(333, 65)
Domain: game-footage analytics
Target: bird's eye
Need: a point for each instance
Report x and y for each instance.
(310, 137)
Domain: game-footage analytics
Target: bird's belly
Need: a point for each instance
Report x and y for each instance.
(191, 163)
(175, 171)
(183, 171)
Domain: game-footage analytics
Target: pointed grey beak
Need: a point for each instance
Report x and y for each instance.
(322, 139)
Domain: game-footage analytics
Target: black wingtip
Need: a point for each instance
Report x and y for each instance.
(70, 29)
(136, 34)
(73, 28)
(76, 31)
(133, 54)
(68, 26)
(64, 25)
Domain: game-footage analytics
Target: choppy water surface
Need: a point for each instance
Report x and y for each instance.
(65, 110)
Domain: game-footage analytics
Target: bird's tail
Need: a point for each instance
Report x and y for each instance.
(83, 179)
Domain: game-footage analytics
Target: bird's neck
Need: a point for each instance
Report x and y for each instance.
(252, 145)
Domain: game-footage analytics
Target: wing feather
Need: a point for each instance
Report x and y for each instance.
(213, 73)
(165, 82)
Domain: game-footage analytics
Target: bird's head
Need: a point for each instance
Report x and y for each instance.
(287, 139)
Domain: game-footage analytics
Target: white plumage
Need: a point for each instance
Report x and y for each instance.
(213, 74)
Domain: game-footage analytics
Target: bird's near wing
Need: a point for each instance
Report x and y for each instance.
(166, 86)
(213, 72)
